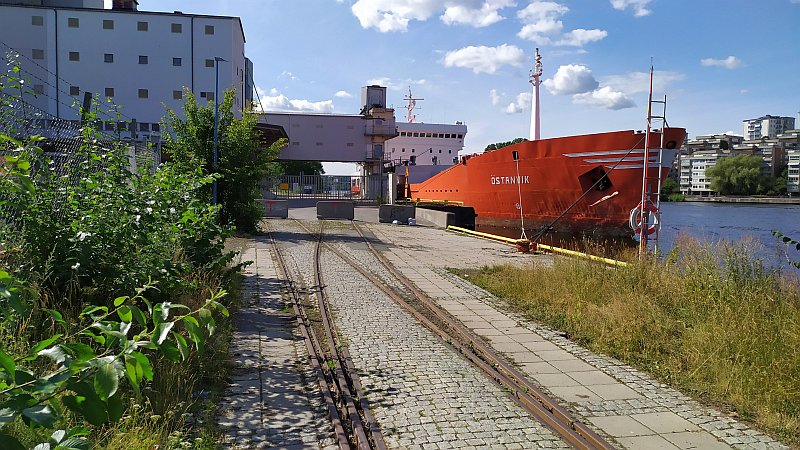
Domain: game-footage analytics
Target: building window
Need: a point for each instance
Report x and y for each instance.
(351, 144)
(177, 95)
(141, 26)
(143, 93)
(108, 57)
(413, 150)
(110, 126)
(144, 126)
(37, 20)
(142, 59)
(208, 95)
(209, 63)
(74, 56)
(155, 128)
(108, 24)
(209, 29)
(109, 92)
(177, 62)
(73, 22)
(122, 126)
(38, 88)
(37, 53)
(74, 91)
(177, 28)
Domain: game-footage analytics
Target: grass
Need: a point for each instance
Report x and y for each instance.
(707, 320)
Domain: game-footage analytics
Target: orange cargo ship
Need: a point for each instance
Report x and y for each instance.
(586, 183)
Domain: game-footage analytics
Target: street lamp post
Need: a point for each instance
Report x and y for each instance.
(217, 60)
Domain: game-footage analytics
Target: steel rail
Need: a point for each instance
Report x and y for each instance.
(344, 369)
(313, 348)
(544, 408)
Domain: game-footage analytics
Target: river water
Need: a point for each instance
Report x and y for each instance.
(712, 222)
(715, 222)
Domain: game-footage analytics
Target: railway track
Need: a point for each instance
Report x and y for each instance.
(451, 331)
(353, 423)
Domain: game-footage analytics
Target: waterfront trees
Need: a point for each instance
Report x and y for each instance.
(737, 175)
(499, 145)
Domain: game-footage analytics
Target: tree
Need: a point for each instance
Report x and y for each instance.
(304, 167)
(671, 191)
(737, 175)
(499, 145)
(243, 160)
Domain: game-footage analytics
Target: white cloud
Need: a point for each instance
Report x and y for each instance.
(343, 94)
(731, 62)
(522, 103)
(638, 82)
(580, 37)
(484, 59)
(495, 97)
(484, 16)
(639, 6)
(747, 91)
(287, 74)
(571, 79)
(275, 101)
(395, 15)
(605, 97)
(395, 85)
(542, 25)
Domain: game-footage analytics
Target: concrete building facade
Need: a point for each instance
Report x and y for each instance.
(426, 144)
(139, 60)
(766, 126)
(793, 172)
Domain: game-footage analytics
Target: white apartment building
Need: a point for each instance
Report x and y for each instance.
(426, 144)
(793, 174)
(139, 60)
(766, 126)
(693, 180)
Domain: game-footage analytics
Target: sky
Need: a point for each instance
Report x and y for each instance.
(717, 61)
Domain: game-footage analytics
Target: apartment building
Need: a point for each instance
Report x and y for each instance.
(693, 180)
(142, 61)
(793, 173)
(766, 126)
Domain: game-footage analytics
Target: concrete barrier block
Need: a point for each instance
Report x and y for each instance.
(335, 209)
(440, 219)
(275, 208)
(390, 213)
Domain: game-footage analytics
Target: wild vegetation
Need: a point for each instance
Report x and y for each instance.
(114, 285)
(708, 320)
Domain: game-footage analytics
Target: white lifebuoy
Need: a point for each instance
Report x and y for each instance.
(635, 219)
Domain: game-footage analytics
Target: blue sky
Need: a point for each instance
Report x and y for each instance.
(718, 61)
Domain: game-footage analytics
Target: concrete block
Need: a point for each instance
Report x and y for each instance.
(335, 209)
(278, 209)
(440, 219)
(389, 213)
(464, 216)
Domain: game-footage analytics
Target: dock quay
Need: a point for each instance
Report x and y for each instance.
(422, 389)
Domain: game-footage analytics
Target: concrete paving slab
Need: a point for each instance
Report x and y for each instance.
(554, 355)
(555, 380)
(573, 365)
(541, 345)
(616, 391)
(647, 443)
(695, 440)
(574, 394)
(593, 377)
(665, 422)
(524, 357)
(621, 426)
(509, 347)
(538, 367)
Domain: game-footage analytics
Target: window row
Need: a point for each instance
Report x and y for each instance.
(108, 24)
(413, 150)
(111, 92)
(126, 126)
(435, 135)
(38, 53)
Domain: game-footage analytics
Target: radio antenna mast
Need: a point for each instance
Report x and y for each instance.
(412, 103)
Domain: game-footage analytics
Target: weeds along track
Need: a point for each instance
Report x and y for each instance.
(353, 422)
(429, 314)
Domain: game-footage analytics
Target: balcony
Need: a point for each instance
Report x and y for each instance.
(389, 131)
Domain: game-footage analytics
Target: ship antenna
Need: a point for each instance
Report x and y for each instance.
(535, 80)
(412, 103)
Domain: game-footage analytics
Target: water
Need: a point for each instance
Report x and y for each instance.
(713, 222)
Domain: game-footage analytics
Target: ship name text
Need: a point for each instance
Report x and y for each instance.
(519, 179)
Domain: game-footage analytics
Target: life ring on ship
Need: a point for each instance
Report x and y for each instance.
(671, 144)
(635, 219)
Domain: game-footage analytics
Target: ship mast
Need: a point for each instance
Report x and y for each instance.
(412, 103)
(535, 81)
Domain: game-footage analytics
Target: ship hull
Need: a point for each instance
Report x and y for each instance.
(578, 184)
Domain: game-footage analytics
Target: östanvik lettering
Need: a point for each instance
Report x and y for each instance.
(521, 179)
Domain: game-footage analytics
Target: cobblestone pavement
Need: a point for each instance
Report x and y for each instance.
(615, 399)
(423, 394)
(272, 400)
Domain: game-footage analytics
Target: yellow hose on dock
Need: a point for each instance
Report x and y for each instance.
(550, 248)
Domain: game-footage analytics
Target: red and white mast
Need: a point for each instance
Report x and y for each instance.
(535, 80)
(412, 103)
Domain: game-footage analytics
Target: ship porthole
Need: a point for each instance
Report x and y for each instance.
(671, 144)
